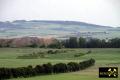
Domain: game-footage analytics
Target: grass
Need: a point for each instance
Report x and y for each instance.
(69, 76)
(103, 57)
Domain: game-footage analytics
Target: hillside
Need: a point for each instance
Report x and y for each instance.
(56, 29)
(25, 42)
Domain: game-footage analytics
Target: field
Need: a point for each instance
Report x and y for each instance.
(103, 57)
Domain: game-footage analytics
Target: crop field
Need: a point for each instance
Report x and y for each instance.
(19, 57)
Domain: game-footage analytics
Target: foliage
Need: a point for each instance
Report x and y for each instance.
(60, 68)
(56, 44)
(32, 55)
(7, 73)
(79, 54)
(72, 42)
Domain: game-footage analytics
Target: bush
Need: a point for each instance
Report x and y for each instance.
(39, 69)
(48, 68)
(89, 52)
(32, 55)
(7, 73)
(86, 63)
(42, 46)
(50, 52)
(60, 68)
(73, 66)
(79, 54)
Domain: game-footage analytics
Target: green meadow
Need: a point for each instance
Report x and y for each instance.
(104, 57)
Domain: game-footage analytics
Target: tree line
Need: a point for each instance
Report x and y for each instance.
(74, 42)
(7, 73)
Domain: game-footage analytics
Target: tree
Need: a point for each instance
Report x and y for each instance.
(82, 42)
(94, 43)
(114, 43)
(73, 43)
(33, 45)
(56, 44)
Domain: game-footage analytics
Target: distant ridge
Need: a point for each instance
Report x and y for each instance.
(55, 22)
(63, 22)
(57, 29)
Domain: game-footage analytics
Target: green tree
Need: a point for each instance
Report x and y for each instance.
(82, 42)
(73, 43)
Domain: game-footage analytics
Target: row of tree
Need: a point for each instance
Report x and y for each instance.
(7, 73)
(74, 42)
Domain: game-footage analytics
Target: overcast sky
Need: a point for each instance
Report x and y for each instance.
(103, 12)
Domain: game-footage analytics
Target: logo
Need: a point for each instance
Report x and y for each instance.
(108, 72)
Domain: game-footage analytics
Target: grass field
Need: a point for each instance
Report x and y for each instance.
(103, 57)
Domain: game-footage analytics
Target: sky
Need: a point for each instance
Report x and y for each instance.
(102, 12)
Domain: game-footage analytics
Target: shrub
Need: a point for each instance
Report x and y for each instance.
(86, 63)
(89, 52)
(42, 46)
(39, 69)
(79, 54)
(73, 66)
(48, 68)
(50, 52)
(60, 68)
(6, 73)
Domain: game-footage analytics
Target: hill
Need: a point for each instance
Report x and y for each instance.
(56, 29)
(26, 42)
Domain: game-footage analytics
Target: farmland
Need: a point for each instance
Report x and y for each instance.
(56, 29)
(103, 57)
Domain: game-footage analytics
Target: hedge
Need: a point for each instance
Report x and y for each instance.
(7, 73)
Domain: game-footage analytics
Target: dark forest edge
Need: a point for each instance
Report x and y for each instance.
(72, 42)
(7, 73)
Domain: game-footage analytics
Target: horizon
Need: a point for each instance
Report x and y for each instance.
(100, 12)
(63, 21)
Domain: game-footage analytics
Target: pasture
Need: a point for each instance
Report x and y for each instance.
(104, 57)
